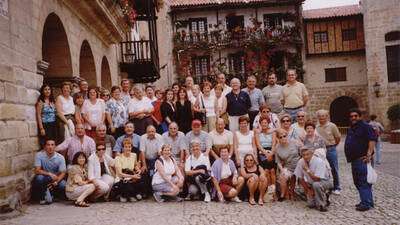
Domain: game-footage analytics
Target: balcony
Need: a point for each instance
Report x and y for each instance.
(238, 38)
(139, 59)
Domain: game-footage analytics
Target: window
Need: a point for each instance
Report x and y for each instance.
(197, 27)
(320, 37)
(349, 34)
(335, 74)
(393, 62)
(236, 63)
(271, 21)
(201, 65)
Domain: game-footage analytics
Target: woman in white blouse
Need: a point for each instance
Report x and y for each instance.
(94, 112)
(140, 111)
(207, 104)
(66, 112)
(221, 103)
(243, 141)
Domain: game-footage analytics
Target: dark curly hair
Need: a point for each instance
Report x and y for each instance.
(76, 156)
(41, 96)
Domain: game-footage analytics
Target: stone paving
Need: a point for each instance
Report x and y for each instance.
(341, 211)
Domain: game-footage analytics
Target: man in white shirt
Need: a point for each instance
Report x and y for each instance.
(315, 177)
(150, 144)
(222, 81)
(220, 137)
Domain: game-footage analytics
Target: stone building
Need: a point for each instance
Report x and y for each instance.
(235, 37)
(48, 40)
(335, 65)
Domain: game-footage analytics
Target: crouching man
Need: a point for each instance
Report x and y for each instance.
(315, 177)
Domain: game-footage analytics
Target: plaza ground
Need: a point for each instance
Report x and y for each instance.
(341, 211)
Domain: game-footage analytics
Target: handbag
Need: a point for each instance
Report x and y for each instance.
(372, 176)
(202, 116)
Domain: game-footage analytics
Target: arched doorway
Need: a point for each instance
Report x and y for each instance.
(105, 74)
(339, 110)
(87, 68)
(55, 50)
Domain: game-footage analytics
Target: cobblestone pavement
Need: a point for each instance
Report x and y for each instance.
(341, 211)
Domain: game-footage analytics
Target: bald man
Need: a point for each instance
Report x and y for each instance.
(238, 104)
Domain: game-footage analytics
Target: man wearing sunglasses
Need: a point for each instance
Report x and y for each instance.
(359, 149)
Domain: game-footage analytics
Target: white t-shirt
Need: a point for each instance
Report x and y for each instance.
(317, 166)
(245, 144)
(67, 104)
(94, 111)
(169, 169)
(192, 162)
(226, 138)
(140, 105)
(209, 105)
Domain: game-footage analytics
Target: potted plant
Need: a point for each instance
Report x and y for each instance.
(393, 114)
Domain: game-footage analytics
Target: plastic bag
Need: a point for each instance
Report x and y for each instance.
(371, 174)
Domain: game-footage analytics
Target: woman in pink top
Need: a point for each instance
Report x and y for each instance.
(94, 112)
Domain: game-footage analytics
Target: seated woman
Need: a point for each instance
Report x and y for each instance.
(286, 156)
(79, 187)
(168, 179)
(255, 178)
(99, 170)
(129, 181)
(197, 168)
(227, 182)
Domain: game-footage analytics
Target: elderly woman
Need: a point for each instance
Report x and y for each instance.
(255, 179)
(129, 180)
(94, 112)
(312, 140)
(206, 103)
(243, 141)
(220, 103)
(116, 112)
(227, 182)
(298, 126)
(197, 168)
(46, 114)
(100, 171)
(168, 179)
(140, 110)
(265, 141)
(286, 122)
(286, 156)
(66, 112)
(79, 187)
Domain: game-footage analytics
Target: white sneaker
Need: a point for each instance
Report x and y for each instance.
(207, 197)
(139, 197)
(132, 199)
(236, 199)
(122, 199)
(336, 192)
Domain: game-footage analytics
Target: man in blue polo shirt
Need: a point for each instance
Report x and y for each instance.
(238, 104)
(359, 147)
(50, 171)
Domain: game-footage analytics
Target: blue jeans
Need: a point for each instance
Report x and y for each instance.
(293, 113)
(39, 187)
(378, 146)
(359, 170)
(331, 156)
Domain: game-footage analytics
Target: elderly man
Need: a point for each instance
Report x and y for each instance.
(295, 95)
(83, 89)
(273, 94)
(315, 177)
(150, 144)
(298, 126)
(256, 98)
(238, 104)
(331, 135)
(359, 148)
(104, 138)
(125, 94)
(177, 140)
(222, 81)
(80, 142)
(197, 169)
(50, 171)
(129, 133)
(198, 133)
(220, 137)
(140, 111)
(189, 83)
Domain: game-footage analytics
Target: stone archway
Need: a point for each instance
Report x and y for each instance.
(105, 74)
(339, 110)
(55, 50)
(87, 68)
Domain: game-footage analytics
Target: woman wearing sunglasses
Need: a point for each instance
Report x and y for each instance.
(286, 157)
(265, 111)
(255, 179)
(286, 122)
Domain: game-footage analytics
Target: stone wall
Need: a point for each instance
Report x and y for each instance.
(380, 17)
(21, 30)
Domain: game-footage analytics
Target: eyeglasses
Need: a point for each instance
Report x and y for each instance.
(249, 160)
(101, 149)
(282, 136)
(300, 116)
(284, 121)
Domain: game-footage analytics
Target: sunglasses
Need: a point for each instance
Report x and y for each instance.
(284, 121)
(300, 116)
(101, 149)
(282, 136)
(249, 160)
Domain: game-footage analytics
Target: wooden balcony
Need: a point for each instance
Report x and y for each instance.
(139, 59)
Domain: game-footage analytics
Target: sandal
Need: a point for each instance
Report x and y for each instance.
(81, 204)
(260, 202)
(252, 202)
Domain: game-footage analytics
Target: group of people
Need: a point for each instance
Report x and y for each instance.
(191, 142)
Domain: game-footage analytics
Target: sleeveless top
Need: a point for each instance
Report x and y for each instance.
(266, 139)
(68, 106)
(257, 172)
(169, 170)
(245, 144)
(209, 104)
(48, 113)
